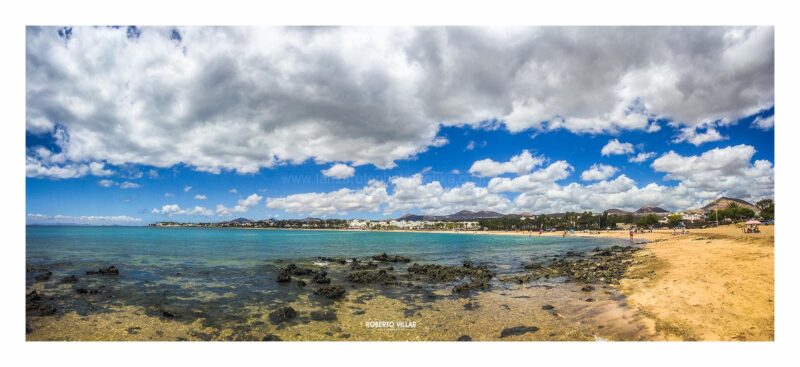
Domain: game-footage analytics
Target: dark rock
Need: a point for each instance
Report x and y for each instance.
(134, 330)
(35, 269)
(43, 277)
(87, 291)
(335, 260)
(69, 279)
(111, 270)
(321, 278)
(283, 278)
(469, 306)
(323, 315)
(168, 314)
(332, 292)
(518, 330)
(28, 329)
(271, 338)
(344, 336)
(359, 312)
(443, 273)
(548, 307)
(365, 265)
(590, 299)
(464, 338)
(587, 288)
(282, 314)
(293, 269)
(365, 277)
(301, 283)
(393, 258)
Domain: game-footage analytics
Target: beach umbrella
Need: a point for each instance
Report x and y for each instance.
(749, 222)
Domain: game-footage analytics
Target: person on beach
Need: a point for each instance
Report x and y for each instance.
(565, 234)
(631, 232)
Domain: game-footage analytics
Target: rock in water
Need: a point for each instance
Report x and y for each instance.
(518, 330)
(323, 315)
(111, 270)
(271, 338)
(332, 292)
(282, 314)
(69, 279)
(283, 278)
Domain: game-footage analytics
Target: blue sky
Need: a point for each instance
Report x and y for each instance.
(133, 143)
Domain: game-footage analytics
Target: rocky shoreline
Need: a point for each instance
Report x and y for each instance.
(331, 279)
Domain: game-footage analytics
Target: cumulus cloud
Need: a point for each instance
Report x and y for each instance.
(241, 206)
(519, 164)
(187, 188)
(200, 197)
(339, 171)
(556, 171)
(694, 181)
(247, 98)
(615, 147)
(233, 191)
(720, 172)
(106, 183)
(175, 209)
(598, 172)
(641, 157)
(368, 199)
(129, 185)
(34, 218)
(694, 136)
(764, 123)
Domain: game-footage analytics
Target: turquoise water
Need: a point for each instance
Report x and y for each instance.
(216, 272)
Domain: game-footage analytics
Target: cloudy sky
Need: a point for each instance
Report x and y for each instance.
(131, 125)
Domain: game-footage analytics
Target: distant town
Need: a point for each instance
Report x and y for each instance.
(720, 211)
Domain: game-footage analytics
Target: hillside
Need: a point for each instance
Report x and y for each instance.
(723, 203)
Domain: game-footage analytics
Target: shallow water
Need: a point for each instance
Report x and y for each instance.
(219, 284)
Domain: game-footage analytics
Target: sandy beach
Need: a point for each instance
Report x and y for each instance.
(714, 284)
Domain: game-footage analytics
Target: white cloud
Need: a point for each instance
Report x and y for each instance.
(233, 191)
(718, 172)
(129, 185)
(367, 199)
(106, 183)
(598, 172)
(241, 206)
(519, 164)
(234, 98)
(556, 171)
(339, 171)
(615, 147)
(200, 197)
(470, 145)
(33, 218)
(764, 123)
(169, 195)
(641, 157)
(175, 209)
(187, 188)
(693, 135)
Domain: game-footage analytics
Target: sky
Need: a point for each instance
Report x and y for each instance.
(133, 125)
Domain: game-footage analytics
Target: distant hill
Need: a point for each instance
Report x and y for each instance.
(723, 203)
(649, 209)
(462, 215)
(240, 220)
(617, 212)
